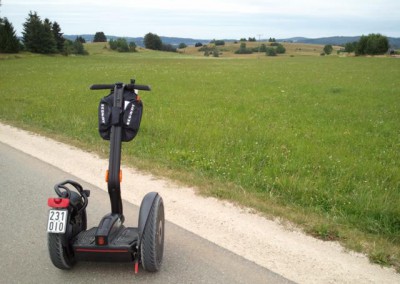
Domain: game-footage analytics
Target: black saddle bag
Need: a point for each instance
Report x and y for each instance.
(128, 118)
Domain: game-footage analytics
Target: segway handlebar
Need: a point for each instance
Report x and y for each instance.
(127, 86)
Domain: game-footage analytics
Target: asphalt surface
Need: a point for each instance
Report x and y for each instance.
(27, 182)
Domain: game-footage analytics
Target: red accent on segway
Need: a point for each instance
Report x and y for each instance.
(58, 202)
(136, 267)
(103, 250)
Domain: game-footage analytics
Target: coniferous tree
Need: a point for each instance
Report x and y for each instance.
(49, 44)
(9, 42)
(35, 35)
(32, 33)
(81, 39)
(58, 36)
(79, 48)
(38, 36)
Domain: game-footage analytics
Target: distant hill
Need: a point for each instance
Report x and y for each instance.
(335, 40)
(139, 40)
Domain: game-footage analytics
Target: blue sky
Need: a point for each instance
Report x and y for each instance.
(208, 19)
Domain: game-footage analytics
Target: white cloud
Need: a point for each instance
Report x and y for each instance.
(213, 18)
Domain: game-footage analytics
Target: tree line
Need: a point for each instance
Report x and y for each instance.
(153, 41)
(38, 36)
(44, 36)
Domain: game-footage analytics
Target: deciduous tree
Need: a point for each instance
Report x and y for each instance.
(152, 41)
(373, 44)
(100, 37)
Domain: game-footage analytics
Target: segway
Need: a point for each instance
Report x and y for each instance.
(69, 240)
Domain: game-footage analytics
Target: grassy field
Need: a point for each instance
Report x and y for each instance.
(314, 140)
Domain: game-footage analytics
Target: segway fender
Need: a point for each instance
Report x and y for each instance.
(145, 208)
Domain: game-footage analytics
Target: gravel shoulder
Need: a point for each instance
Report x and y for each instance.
(284, 250)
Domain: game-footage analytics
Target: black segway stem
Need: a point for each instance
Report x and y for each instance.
(114, 188)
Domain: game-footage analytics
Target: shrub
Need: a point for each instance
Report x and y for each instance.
(74, 47)
(120, 45)
(243, 49)
(328, 49)
(168, 47)
(270, 51)
(218, 42)
(207, 49)
(280, 49)
(260, 48)
(132, 47)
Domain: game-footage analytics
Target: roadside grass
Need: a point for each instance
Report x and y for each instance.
(312, 140)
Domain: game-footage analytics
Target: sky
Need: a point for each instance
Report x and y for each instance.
(213, 19)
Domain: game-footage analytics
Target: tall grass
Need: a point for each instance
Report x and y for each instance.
(314, 135)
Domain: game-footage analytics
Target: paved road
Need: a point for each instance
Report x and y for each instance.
(27, 182)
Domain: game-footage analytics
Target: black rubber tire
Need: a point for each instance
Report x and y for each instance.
(152, 245)
(60, 256)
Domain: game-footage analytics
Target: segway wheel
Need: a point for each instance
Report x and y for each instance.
(152, 246)
(60, 256)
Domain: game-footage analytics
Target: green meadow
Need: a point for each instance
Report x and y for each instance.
(309, 139)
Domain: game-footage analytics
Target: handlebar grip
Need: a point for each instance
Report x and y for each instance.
(138, 87)
(102, 86)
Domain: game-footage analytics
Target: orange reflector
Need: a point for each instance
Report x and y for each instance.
(101, 241)
(120, 176)
(106, 175)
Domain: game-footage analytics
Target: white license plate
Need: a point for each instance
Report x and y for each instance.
(57, 222)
